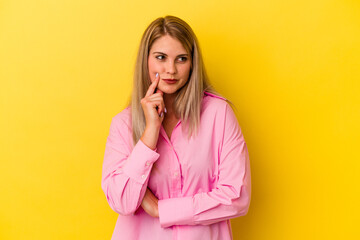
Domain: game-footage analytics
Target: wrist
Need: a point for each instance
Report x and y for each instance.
(150, 137)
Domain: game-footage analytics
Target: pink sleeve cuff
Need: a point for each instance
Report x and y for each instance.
(176, 211)
(139, 163)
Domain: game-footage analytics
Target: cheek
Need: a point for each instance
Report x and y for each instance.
(185, 69)
(153, 66)
(152, 69)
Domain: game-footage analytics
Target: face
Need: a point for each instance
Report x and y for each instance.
(169, 58)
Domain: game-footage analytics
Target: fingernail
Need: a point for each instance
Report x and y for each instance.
(157, 74)
(165, 110)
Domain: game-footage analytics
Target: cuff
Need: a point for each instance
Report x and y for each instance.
(140, 161)
(176, 211)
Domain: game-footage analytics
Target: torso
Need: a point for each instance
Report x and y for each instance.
(169, 124)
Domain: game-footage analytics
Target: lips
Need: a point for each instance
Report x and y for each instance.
(170, 81)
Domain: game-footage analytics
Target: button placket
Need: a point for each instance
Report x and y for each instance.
(175, 175)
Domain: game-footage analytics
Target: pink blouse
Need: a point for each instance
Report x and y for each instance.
(201, 183)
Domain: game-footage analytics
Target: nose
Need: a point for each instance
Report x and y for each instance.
(171, 68)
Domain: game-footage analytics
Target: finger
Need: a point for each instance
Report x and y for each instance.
(159, 91)
(157, 78)
(153, 86)
(155, 95)
(159, 102)
(162, 109)
(157, 105)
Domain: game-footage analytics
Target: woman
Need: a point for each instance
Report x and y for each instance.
(167, 182)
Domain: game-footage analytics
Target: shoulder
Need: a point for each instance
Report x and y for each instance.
(215, 110)
(214, 102)
(123, 117)
(211, 95)
(219, 109)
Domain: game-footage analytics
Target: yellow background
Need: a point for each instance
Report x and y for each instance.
(292, 68)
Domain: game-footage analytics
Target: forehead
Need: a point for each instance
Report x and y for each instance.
(169, 45)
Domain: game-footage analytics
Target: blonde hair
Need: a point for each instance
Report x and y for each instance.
(187, 104)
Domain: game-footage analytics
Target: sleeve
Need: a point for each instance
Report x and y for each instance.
(230, 198)
(125, 172)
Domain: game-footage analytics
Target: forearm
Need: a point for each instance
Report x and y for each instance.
(124, 181)
(150, 136)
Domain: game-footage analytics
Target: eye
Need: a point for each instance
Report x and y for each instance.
(182, 59)
(160, 57)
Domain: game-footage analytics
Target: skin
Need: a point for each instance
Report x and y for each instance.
(169, 59)
(173, 63)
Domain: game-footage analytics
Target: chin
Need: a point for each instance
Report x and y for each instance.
(168, 91)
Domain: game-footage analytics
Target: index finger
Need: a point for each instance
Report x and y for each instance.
(152, 87)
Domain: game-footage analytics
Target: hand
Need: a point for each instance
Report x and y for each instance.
(150, 204)
(153, 105)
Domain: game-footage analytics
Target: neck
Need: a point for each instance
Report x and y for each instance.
(168, 101)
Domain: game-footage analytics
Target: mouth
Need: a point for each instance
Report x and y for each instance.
(170, 81)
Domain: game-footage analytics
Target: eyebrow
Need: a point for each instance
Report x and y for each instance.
(184, 54)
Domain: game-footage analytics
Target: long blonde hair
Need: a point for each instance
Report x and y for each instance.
(187, 104)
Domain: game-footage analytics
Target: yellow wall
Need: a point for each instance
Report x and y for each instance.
(292, 68)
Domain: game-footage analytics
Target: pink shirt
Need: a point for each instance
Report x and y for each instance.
(201, 183)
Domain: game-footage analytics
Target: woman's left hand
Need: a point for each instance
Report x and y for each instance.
(150, 204)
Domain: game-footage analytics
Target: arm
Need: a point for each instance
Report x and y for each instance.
(125, 172)
(230, 198)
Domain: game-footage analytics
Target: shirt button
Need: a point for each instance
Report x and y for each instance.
(147, 164)
(143, 176)
(176, 174)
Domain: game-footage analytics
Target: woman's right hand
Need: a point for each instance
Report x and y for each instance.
(154, 108)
